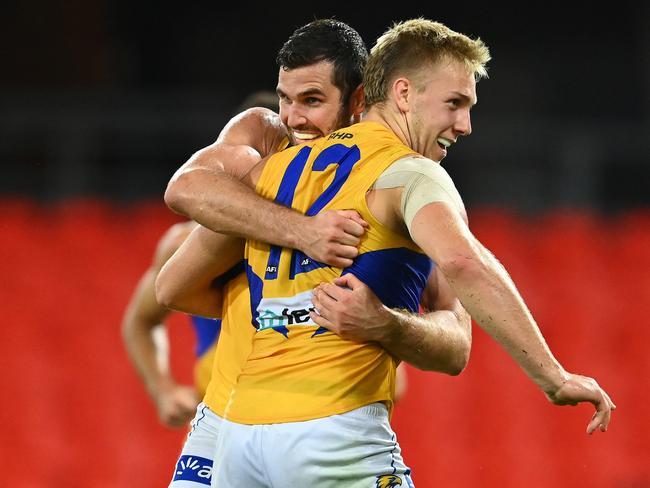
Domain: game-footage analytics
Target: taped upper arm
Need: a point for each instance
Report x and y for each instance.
(423, 181)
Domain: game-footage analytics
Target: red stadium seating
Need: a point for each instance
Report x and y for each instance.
(75, 414)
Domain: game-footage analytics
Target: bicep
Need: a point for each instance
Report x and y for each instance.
(442, 233)
(251, 136)
(232, 159)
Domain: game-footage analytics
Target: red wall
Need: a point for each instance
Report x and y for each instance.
(74, 414)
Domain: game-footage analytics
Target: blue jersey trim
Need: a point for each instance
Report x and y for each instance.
(397, 276)
(207, 331)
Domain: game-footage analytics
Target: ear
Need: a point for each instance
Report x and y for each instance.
(401, 93)
(357, 104)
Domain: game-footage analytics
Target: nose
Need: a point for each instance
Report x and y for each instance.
(463, 125)
(295, 117)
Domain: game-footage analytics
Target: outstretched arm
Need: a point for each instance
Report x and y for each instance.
(438, 340)
(146, 341)
(214, 188)
(490, 296)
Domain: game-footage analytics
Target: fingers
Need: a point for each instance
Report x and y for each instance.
(177, 418)
(338, 288)
(355, 217)
(601, 418)
(345, 251)
(337, 255)
(348, 280)
(335, 237)
(339, 262)
(324, 300)
(320, 320)
(603, 414)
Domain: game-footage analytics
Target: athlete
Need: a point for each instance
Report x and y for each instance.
(146, 340)
(145, 334)
(304, 390)
(315, 90)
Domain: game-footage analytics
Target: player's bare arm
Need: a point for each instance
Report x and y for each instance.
(211, 189)
(490, 296)
(439, 340)
(146, 341)
(188, 280)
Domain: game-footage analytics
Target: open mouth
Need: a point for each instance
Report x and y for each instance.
(305, 136)
(444, 143)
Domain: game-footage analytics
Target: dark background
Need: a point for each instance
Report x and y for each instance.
(108, 98)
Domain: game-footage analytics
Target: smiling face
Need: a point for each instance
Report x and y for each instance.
(310, 103)
(439, 108)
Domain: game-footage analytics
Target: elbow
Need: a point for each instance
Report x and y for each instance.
(165, 295)
(453, 358)
(177, 196)
(462, 267)
(454, 363)
(459, 362)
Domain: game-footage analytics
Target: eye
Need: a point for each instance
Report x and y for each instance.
(312, 101)
(454, 102)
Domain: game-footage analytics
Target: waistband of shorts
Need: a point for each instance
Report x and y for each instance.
(373, 411)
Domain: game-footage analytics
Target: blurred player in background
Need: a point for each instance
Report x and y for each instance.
(147, 343)
(145, 334)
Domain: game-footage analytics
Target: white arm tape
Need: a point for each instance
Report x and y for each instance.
(424, 182)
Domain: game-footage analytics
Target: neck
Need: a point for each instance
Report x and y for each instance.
(391, 119)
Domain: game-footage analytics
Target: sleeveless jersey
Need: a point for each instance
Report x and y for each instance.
(296, 370)
(235, 339)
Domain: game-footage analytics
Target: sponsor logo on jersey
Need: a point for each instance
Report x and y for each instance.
(285, 311)
(388, 481)
(340, 135)
(194, 468)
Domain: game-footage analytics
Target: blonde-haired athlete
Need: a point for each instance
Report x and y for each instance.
(311, 408)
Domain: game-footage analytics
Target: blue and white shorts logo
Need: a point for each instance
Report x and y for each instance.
(194, 468)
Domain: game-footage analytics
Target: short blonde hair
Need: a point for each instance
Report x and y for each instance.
(408, 46)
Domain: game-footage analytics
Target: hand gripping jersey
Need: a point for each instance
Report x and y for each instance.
(297, 371)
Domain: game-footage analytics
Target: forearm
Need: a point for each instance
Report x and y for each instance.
(222, 203)
(490, 296)
(148, 350)
(436, 341)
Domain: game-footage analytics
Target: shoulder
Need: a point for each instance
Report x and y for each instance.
(258, 115)
(257, 127)
(419, 164)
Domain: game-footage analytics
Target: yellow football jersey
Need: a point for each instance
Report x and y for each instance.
(234, 345)
(296, 370)
(203, 370)
(235, 338)
(207, 335)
